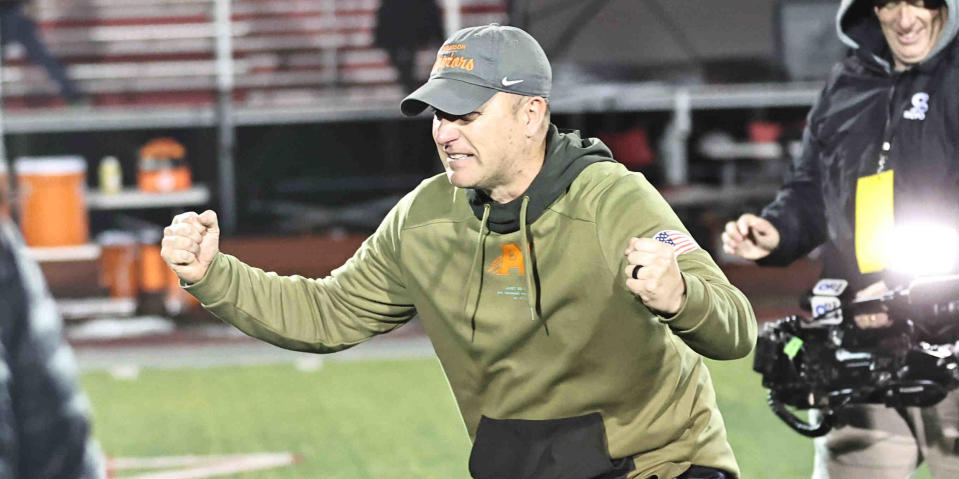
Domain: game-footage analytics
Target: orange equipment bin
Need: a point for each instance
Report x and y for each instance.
(52, 206)
(163, 167)
(154, 273)
(118, 263)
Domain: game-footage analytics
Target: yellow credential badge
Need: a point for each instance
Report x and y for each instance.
(874, 220)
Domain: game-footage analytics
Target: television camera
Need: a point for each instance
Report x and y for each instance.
(827, 362)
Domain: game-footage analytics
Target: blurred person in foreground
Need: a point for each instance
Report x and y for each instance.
(568, 305)
(881, 145)
(44, 425)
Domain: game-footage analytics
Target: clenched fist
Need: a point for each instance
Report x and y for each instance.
(190, 243)
(750, 237)
(657, 282)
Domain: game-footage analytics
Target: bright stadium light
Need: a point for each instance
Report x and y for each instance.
(922, 249)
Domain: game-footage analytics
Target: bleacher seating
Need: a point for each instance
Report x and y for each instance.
(161, 52)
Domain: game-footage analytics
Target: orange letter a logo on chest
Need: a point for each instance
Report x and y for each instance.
(511, 258)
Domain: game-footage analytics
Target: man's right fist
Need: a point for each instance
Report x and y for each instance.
(190, 243)
(750, 237)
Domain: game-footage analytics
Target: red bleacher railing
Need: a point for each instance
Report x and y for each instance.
(162, 52)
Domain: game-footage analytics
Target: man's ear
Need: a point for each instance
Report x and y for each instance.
(534, 111)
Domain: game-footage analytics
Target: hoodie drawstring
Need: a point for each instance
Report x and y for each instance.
(472, 298)
(527, 261)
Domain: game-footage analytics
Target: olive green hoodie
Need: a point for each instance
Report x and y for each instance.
(557, 368)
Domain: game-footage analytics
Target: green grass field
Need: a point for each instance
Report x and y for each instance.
(365, 420)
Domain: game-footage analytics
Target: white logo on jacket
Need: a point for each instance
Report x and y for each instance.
(920, 105)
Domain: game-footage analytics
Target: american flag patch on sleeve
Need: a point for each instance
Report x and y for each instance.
(681, 242)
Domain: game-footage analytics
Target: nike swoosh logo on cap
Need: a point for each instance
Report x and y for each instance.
(507, 82)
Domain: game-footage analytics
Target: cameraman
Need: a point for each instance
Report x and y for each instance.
(881, 142)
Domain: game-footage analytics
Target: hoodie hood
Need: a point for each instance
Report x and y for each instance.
(858, 28)
(567, 155)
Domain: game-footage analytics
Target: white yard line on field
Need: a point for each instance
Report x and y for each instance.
(198, 467)
(124, 359)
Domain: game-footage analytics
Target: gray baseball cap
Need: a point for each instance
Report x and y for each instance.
(475, 63)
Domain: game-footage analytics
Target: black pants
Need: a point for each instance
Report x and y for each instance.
(694, 472)
(702, 472)
(403, 59)
(16, 27)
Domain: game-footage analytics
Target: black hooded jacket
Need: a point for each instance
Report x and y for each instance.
(865, 108)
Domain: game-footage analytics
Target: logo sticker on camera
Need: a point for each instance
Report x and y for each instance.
(829, 287)
(826, 309)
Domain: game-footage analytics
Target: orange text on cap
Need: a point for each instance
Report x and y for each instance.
(452, 61)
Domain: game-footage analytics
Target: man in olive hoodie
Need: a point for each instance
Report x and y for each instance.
(569, 307)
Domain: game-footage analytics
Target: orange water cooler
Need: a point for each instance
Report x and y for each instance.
(4, 191)
(52, 206)
(118, 263)
(153, 272)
